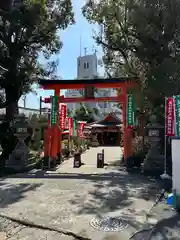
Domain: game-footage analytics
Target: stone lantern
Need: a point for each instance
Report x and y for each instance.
(154, 161)
(19, 157)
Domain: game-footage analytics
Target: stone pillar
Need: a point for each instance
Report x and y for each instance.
(154, 161)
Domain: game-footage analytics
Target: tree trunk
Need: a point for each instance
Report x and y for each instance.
(12, 98)
(8, 140)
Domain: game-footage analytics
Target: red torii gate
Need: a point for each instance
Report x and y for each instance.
(125, 84)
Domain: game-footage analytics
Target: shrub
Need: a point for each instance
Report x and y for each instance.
(139, 152)
(80, 149)
(138, 145)
(65, 141)
(65, 152)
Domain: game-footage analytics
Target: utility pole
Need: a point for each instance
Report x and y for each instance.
(40, 105)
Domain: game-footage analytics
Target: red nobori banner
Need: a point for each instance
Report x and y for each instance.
(63, 109)
(82, 129)
(70, 126)
(170, 117)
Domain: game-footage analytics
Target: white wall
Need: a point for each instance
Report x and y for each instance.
(87, 66)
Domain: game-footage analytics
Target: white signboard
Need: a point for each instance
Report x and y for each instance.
(176, 164)
(74, 93)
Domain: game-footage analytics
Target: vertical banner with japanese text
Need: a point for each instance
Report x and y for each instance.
(70, 126)
(177, 109)
(130, 110)
(170, 116)
(63, 109)
(54, 109)
(74, 128)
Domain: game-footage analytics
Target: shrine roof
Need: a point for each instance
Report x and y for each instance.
(109, 120)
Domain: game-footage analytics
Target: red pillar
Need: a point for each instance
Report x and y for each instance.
(127, 132)
(124, 107)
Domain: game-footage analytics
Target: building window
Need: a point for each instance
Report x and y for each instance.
(86, 65)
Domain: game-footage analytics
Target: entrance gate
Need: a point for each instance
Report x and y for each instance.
(125, 85)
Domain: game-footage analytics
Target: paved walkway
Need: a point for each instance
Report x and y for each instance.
(112, 156)
(68, 199)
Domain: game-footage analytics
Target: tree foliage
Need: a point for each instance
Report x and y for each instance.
(26, 31)
(84, 113)
(140, 38)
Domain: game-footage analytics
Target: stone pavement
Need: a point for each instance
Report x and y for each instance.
(68, 199)
(89, 160)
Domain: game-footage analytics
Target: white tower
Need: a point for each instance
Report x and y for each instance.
(87, 67)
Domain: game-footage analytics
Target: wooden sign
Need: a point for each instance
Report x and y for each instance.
(89, 92)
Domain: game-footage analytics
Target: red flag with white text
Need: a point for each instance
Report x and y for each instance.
(63, 109)
(70, 126)
(170, 116)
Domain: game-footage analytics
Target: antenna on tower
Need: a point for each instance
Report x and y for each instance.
(80, 45)
(94, 50)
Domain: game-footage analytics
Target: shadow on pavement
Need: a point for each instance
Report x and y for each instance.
(111, 191)
(12, 193)
(168, 228)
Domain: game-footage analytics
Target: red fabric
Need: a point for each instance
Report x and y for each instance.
(70, 126)
(63, 109)
(170, 117)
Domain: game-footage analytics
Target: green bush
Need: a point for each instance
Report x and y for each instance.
(65, 152)
(140, 147)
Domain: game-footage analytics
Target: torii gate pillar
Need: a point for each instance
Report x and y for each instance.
(56, 134)
(127, 135)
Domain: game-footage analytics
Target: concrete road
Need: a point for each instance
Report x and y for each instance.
(68, 199)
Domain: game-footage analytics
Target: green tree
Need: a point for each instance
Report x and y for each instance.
(84, 113)
(28, 31)
(140, 38)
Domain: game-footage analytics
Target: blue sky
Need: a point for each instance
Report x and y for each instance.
(67, 68)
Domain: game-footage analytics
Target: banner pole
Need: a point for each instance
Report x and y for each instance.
(165, 175)
(165, 161)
